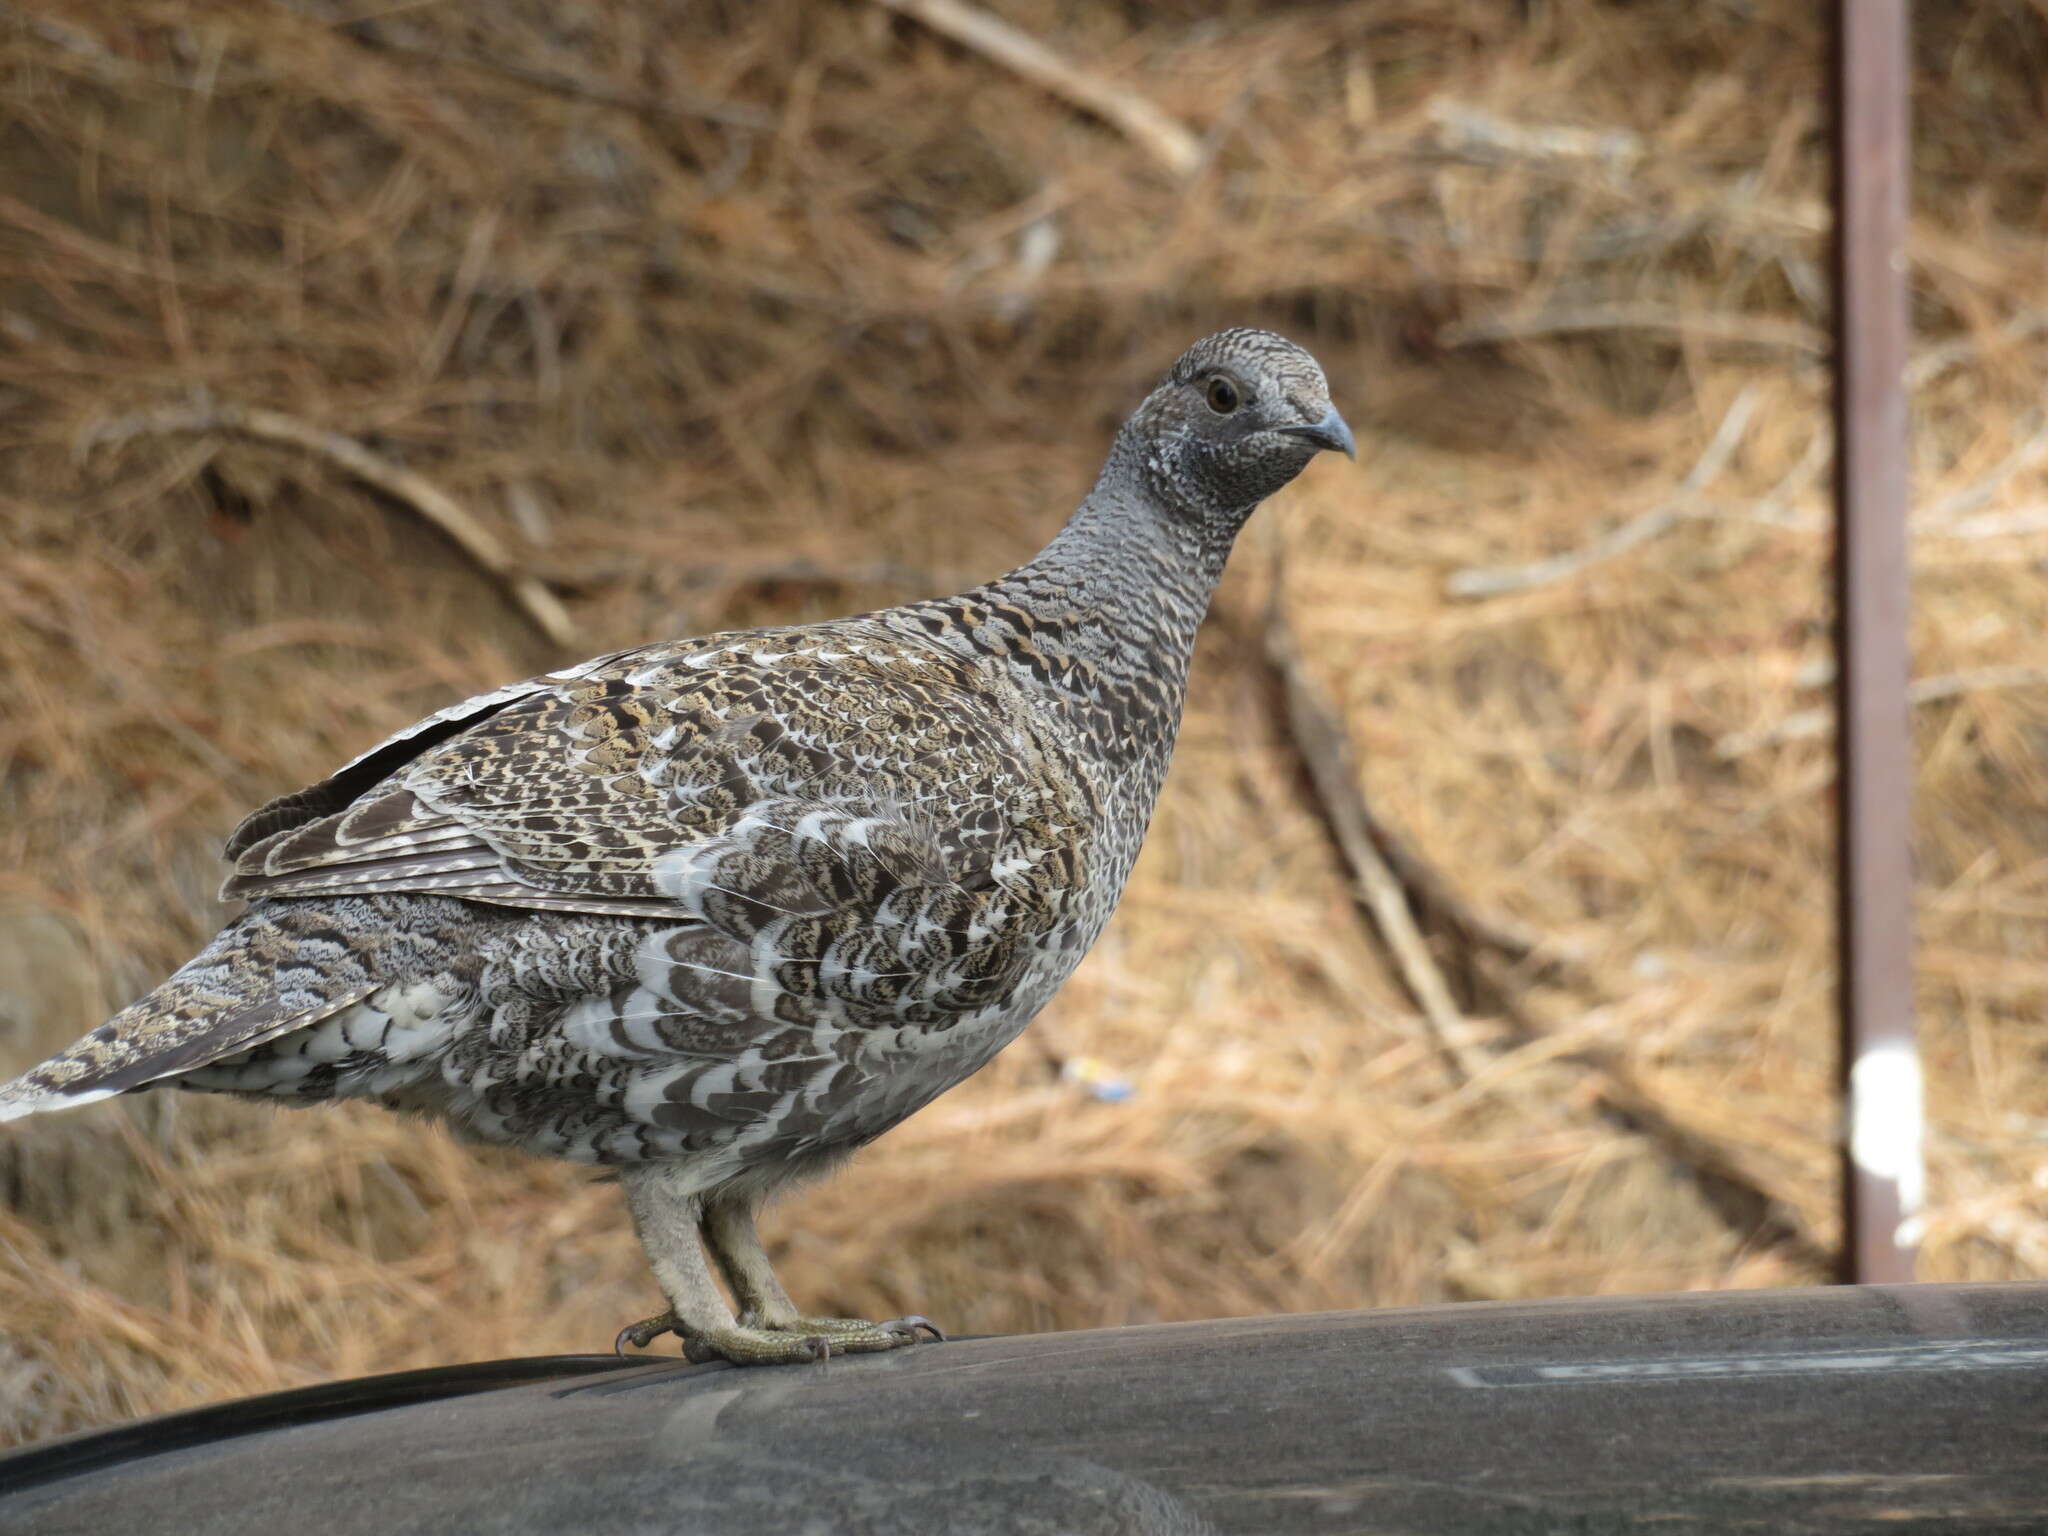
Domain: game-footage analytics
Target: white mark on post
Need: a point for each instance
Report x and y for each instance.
(1887, 1118)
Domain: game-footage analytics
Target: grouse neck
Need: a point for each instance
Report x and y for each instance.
(1129, 572)
(1104, 617)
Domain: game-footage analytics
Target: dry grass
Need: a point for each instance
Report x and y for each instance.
(723, 314)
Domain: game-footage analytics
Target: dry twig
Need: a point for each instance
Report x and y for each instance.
(1492, 580)
(1806, 724)
(1742, 1199)
(1993, 525)
(671, 102)
(1435, 900)
(1932, 362)
(1167, 141)
(1619, 1090)
(1466, 129)
(2029, 451)
(1569, 319)
(1326, 752)
(414, 490)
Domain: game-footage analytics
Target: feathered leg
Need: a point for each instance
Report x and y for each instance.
(665, 1219)
(668, 1222)
(736, 1249)
(735, 1245)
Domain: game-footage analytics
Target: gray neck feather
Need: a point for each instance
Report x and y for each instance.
(1135, 570)
(1113, 601)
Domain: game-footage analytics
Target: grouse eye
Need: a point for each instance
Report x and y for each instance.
(1222, 396)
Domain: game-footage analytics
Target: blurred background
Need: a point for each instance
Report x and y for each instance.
(687, 316)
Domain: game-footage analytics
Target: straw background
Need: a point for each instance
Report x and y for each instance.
(727, 314)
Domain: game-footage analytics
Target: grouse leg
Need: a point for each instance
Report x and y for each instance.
(666, 1221)
(735, 1244)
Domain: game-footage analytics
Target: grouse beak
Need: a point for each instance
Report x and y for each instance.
(1330, 432)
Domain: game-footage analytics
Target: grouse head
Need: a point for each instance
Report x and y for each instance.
(1238, 417)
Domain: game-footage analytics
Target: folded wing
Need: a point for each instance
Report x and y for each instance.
(750, 776)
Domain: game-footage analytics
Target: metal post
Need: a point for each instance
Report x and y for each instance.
(1883, 1173)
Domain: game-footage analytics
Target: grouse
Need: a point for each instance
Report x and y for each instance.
(714, 913)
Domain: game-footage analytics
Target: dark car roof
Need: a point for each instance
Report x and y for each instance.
(1923, 1407)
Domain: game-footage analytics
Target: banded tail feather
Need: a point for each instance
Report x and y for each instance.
(277, 969)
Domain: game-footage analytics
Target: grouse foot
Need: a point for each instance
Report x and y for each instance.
(840, 1330)
(798, 1339)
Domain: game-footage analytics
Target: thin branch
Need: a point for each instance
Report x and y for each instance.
(1624, 1097)
(1806, 724)
(672, 102)
(1937, 520)
(106, 65)
(1167, 141)
(1492, 580)
(1570, 319)
(1326, 751)
(1936, 360)
(406, 486)
(2030, 451)
(1992, 525)
(1474, 131)
(1435, 900)
(1739, 1196)
(1774, 509)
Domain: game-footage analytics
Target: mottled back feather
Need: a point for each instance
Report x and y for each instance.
(619, 788)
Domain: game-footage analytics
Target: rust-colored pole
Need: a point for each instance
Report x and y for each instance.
(1883, 1171)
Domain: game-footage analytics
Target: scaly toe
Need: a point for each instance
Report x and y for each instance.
(858, 1336)
(759, 1346)
(644, 1332)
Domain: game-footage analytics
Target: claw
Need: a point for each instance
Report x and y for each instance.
(910, 1325)
(643, 1333)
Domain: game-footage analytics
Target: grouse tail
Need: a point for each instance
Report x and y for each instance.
(276, 969)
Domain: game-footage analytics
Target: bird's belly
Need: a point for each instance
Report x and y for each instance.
(788, 1096)
(632, 1076)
